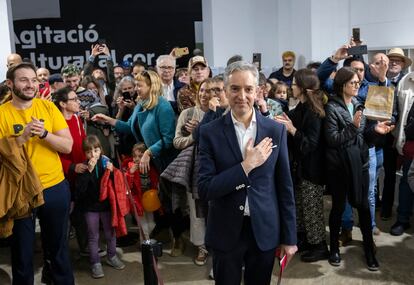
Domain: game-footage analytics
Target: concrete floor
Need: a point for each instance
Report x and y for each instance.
(395, 255)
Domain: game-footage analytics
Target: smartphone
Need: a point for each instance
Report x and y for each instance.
(44, 87)
(257, 60)
(181, 51)
(105, 161)
(356, 35)
(358, 50)
(126, 96)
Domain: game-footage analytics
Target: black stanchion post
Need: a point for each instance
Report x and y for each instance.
(150, 248)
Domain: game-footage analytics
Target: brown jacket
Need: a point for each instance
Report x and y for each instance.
(186, 97)
(20, 187)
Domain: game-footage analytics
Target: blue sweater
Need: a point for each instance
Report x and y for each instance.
(156, 126)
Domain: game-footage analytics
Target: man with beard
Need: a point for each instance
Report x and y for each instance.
(41, 129)
(398, 63)
(71, 77)
(118, 74)
(286, 72)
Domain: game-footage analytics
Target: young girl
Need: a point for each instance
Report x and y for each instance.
(87, 197)
(139, 183)
(279, 93)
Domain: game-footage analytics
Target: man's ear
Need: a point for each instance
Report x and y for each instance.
(62, 104)
(9, 84)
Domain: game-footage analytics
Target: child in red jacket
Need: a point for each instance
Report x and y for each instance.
(139, 183)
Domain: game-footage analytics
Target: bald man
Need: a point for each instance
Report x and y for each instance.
(13, 59)
(42, 74)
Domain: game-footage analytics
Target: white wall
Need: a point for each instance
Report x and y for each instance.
(6, 30)
(314, 29)
(228, 28)
(384, 23)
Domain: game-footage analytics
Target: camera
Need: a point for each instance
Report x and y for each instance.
(126, 96)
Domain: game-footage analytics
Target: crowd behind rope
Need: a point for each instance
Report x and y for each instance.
(74, 124)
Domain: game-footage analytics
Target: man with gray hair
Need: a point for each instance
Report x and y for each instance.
(170, 86)
(244, 174)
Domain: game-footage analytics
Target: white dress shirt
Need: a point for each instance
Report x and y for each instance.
(243, 135)
(168, 91)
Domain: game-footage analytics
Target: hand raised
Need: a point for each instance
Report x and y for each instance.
(357, 119)
(95, 50)
(213, 103)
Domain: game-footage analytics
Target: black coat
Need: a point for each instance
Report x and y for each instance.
(306, 146)
(341, 133)
(88, 189)
(347, 157)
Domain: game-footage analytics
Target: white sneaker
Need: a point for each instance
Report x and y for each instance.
(97, 271)
(211, 274)
(201, 257)
(115, 262)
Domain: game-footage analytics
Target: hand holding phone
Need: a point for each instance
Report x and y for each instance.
(356, 36)
(358, 50)
(179, 52)
(126, 96)
(257, 60)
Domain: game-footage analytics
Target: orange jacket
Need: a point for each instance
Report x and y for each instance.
(115, 191)
(20, 187)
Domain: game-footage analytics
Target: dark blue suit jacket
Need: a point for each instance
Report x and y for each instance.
(223, 182)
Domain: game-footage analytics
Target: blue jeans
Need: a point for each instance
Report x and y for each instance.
(53, 216)
(406, 196)
(376, 160)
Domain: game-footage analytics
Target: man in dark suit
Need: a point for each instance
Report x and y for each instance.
(244, 174)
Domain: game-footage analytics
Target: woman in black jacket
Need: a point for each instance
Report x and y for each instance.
(304, 125)
(347, 161)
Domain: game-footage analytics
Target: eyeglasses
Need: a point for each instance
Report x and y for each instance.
(396, 61)
(355, 83)
(214, 90)
(166, 67)
(73, 99)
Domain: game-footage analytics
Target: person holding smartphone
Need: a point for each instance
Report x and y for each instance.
(125, 98)
(106, 77)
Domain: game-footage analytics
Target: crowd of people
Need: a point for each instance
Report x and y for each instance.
(239, 160)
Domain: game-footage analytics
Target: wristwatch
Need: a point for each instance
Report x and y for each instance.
(45, 133)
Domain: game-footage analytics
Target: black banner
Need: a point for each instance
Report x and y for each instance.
(132, 30)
